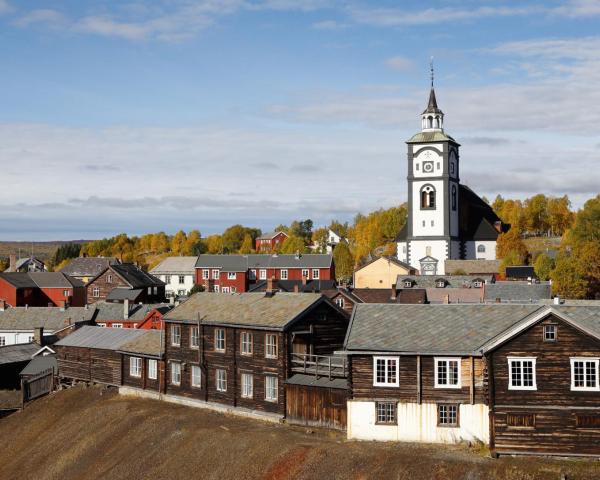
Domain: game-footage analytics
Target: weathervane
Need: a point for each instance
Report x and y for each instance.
(431, 69)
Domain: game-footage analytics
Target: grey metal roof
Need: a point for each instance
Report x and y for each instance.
(433, 329)
(518, 291)
(176, 265)
(450, 281)
(107, 311)
(87, 266)
(51, 318)
(100, 338)
(312, 381)
(242, 263)
(120, 293)
(39, 364)
(250, 309)
(17, 353)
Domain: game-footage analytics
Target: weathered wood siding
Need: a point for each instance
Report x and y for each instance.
(328, 330)
(317, 406)
(93, 365)
(143, 381)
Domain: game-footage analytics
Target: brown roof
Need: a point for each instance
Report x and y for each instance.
(384, 295)
(473, 267)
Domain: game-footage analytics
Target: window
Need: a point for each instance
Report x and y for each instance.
(176, 373)
(231, 275)
(440, 283)
(270, 388)
(521, 373)
(454, 191)
(221, 377)
(477, 283)
(30, 338)
(181, 279)
(247, 385)
(181, 293)
(247, 342)
(340, 302)
(96, 292)
(584, 373)
(447, 415)
(385, 413)
(2, 341)
(215, 274)
(135, 366)
(216, 288)
(385, 371)
(176, 335)
(550, 332)
(520, 420)
(262, 274)
(407, 283)
(196, 376)
(427, 197)
(167, 278)
(315, 273)
(417, 167)
(271, 345)
(305, 273)
(109, 278)
(205, 274)
(194, 337)
(225, 289)
(587, 421)
(117, 325)
(149, 290)
(219, 339)
(423, 222)
(152, 369)
(66, 293)
(284, 274)
(447, 372)
(233, 290)
(480, 248)
(252, 275)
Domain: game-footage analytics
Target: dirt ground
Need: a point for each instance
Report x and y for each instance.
(89, 433)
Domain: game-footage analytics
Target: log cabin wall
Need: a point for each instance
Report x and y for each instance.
(73, 362)
(143, 381)
(89, 364)
(552, 419)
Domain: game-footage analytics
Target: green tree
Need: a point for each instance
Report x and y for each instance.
(560, 216)
(340, 228)
(319, 238)
(343, 261)
(234, 236)
(302, 229)
(293, 244)
(536, 214)
(587, 222)
(196, 289)
(543, 266)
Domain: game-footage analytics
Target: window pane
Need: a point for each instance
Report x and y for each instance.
(442, 375)
(453, 372)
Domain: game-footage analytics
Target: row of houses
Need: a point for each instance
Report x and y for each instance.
(519, 378)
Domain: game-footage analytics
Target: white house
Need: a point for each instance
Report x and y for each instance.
(178, 273)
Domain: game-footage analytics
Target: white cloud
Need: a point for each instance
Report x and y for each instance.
(399, 63)
(329, 25)
(49, 17)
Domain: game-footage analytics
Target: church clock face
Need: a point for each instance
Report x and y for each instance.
(428, 167)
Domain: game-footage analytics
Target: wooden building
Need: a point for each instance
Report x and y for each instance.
(86, 268)
(41, 289)
(131, 315)
(381, 272)
(270, 242)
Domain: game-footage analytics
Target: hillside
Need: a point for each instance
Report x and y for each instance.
(42, 250)
(94, 433)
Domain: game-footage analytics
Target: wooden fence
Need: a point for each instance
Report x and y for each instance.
(37, 385)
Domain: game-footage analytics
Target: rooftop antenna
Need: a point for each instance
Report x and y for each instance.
(431, 69)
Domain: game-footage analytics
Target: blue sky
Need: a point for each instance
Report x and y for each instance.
(140, 116)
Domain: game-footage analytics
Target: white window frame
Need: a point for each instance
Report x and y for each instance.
(194, 336)
(175, 377)
(284, 274)
(181, 279)
(262, 274)
(218, 340)
(167, 279)
(554, 328)
(66, 293)
(96, 292)
(306, 273)
(340, 302)
(215, 274)
(386, 383)
(193, 382)
(225, 290)
(152, 369)
(109, 278)
(317, 272)
(116, 325)
(247, 381)
(510, 373)
(594, 360)
(216, 288)
(2, 341)
(246, 343)
(231, 275)
(135, 367)
(271, 391)
(205, 274)
(447, 360)
(271, 346)
(176, 335)
(221, 379)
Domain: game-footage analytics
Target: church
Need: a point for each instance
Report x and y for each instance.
(446, 220)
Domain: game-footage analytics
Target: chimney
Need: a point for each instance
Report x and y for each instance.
(38, 336)
(296, 289)
(2, 305)
(63, 305)
(297, 254)
(271, 284)
(498, 226)
(125, 309)
(393, 297)
(12, 266)
(557, 300)
(304, 280)
(446, 299)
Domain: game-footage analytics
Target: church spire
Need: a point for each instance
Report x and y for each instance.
(432, 117)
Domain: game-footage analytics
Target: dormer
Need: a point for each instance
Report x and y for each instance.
(407, 282)
(477, 282)
(440, 283)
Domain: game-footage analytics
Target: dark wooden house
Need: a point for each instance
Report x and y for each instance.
(120, 282)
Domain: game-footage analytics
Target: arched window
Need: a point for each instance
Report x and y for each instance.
(427, 197)
(480, 248)
(437, 121)
(430, 122)
(454, 197)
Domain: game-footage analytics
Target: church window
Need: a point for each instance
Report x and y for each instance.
(437, 122)
(438, 165)
(430, 122)
(480, 248)
(417, 166)
(454, 200)
(432, 223)
(427, 197)
(423, 222)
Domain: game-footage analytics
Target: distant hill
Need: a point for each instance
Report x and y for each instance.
(42, 250)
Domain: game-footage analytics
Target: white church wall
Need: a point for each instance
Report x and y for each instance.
(402, 251)
(428, 222)
(472, 253)
(423, 248)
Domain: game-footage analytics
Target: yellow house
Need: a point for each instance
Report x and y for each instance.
(381, 273)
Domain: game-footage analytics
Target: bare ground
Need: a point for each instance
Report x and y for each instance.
(94, 433)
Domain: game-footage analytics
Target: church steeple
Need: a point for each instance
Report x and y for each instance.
(432, 118)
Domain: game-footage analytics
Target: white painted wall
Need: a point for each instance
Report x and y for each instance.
(418, 250)
(402, 251)
(490, 250)
(13, 337)
(173, 286)
(418, 423)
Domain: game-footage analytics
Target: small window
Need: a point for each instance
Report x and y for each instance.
(194, 337)
(305, 273)
(271, 345)
(216, 288)
(407, 283)
(167, 278)
(231, 275)
(521, 372)
(215, 274)
(196, 376)
(221, 378)
(587, 421)
(550, 333)
(480, 248)
(520, 420)
(247, 385)
(149, 290)
(96, 292)
(427, 197)
(454, 191)
(423, 223)
(477, 284)
(219, 339)
(447, 372)
(340, 302)
(252, 274)
(385, 413)
(262, 274)
(109, 278)
(152, 369)
(440, 283)
(584, 374)
(117, 325)
(417, 167)
(181, 279)
(176, 335)
(66, 293)
(175, 373)
(135, 367)
(225, 289)
(385, 371)
(284, 274)
(432, 223)
(2, 341)
(205, 274)
(447, 415)
(271, 388)
(247, 343)
(315, 274)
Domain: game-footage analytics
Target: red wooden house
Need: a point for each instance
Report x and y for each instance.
(41, 289)
(270, 242)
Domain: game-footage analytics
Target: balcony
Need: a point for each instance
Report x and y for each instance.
(320, 365)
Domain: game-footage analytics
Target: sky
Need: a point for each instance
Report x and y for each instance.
(141, 116)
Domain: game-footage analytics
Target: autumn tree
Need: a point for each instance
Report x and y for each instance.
(587, 222)
(344, 262)
(511, 242)
(302, 229)
(319, 238)
(568, 278)
(247, 245)
(536, 214)
(214, 244)
(233, 237)
(543, 266)
(192, 243)
(293, 244)
(178, 243)
(159, 243)
(560, 216)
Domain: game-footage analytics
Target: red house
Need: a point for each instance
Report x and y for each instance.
(41, 289)
(127, 315)
(269, 242)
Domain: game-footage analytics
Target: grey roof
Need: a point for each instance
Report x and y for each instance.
(312, 381)
(135, 276)
(520, 271)
(107, 311)
(426, 137)
(21, 262)
(176, 265)
(51, 318)
(151, 343)
(241, 263)
(518, 291)
(88, 266)
(270, 235)
(249, 309)
(120, 293)
(453, 281)
(39, 364)
(100, 338)
(17, 353)
(472, 267)
(18, 279)
(288, 285)
(432, 106)
(430, 329)
(54, 280)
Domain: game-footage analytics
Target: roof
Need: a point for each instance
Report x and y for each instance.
(135, 276)
(288, 285)
(384, 295)
(18, 279)
(249, 309)
(149, 344)
(524, 271)
(114, 311)
(390, 259)
(100, 338)
(21, 352)
(120, 293)
(176, 265)
(39, 364)
(430, 329)
(450, 281)
(427, 137)
(322, 381)
(518, 291)
(270, 235)
(50, 318)
(432, 104)
(476, 217)
(87, 266)
(40, 280)
(473, 267)
(402, 234)
(21, 262)
(241, 263)
(455, 295)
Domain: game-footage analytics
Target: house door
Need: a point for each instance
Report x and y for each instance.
(300, 345)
